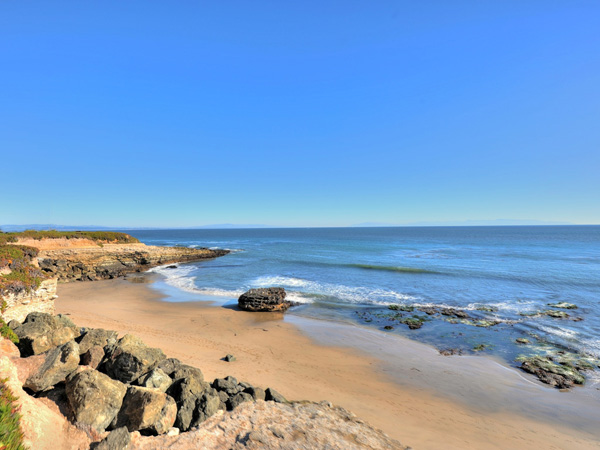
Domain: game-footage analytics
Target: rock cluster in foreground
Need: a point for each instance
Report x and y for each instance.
(105, 384)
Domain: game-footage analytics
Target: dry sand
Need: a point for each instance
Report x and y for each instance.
(274, 353)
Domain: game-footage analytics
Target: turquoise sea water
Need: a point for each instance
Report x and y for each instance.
(501, 274)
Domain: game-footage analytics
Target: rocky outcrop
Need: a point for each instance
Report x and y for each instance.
(115, 260)
(264, 299)
(563, 375)
(279, 426)
(19, 304)
(137, 389)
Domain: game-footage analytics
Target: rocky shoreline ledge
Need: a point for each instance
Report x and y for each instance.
(107, 392)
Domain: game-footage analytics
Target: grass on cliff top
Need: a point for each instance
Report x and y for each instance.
(97, 236)
(11, 436)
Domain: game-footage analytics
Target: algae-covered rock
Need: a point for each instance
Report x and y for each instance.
(559, 375)
(556, 314)
(563, 305)
(523, 341)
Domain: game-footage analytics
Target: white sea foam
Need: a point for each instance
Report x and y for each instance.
(349, 294)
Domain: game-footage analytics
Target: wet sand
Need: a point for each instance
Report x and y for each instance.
(418, 397)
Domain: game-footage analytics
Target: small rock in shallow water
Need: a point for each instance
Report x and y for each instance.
(451, 352)
(563, 305)
(522, 341)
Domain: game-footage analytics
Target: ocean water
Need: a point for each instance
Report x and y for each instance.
(504, 275)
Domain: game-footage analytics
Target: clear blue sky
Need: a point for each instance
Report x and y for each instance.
(312, 113)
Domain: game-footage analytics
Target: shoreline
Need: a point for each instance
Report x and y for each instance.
(293, 360)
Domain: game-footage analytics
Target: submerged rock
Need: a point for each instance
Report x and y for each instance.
(556, 314)
(523, 341)
(264, 299)
(559, 375)
(563, 305)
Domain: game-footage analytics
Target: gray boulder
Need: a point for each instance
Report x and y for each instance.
(256, 392)
(264, 299)
(228, 384)
(94, 397)
(169, 365)
(186, 392)
(130, 358)
(147, 410)
(97, 336)
(237, 400)
(273, 396)
(58, 364)
(207, 405)
(118, 439)
(156, 379)
(41, 331)
(185, 371)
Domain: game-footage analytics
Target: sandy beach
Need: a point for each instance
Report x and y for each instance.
(275, 353)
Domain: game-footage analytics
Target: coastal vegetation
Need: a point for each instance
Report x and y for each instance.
(11, 436)
(96, 236)
(17, 273)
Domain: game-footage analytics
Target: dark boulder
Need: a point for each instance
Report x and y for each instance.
(95, 398)
(185, 371)
(118, 439)
(228, 384)
(58, 364)
(271, 395)
(169, 365)
(264, 299)
(207, 405)
(256, 392)
(130, 358)
(186, 392)
(238, 399)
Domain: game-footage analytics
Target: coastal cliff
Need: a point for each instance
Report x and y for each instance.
(114, 260)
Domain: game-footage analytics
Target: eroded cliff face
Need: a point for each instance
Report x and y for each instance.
(19, 304)
(115, 260)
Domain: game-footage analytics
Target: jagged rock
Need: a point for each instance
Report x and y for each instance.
(92, 357)
(59, 363)
(274, 396)
(562, 376)
(147, 410)
(97, 336)
(94, 397)
(41, 331)
(156, 379)
(229, 358)
(256, 392)
(186, 392)
(228, 384)
(454, 313)
(207, 405)
(451, 352)
(118, 439)
(169, 365)
(238, 399)
(264, 299)
(130, 358)
(268, 425)
(185, 371)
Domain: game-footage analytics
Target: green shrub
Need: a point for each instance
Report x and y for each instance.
(98, 236)
(8, 333)
(11, 436)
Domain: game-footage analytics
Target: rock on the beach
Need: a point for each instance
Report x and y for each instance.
(274, 396)
(207, 405)
(562, 376)
(118, 439)
(264, 299)
(147, 410)
(58, 364)
(156, 379)
(268, 425)
(95, 398)
(130, 358)
(169, 365)
(237, 399)
(41, 331)
(186, 392)
(92, 357)
(256, 392)
(97, 336)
